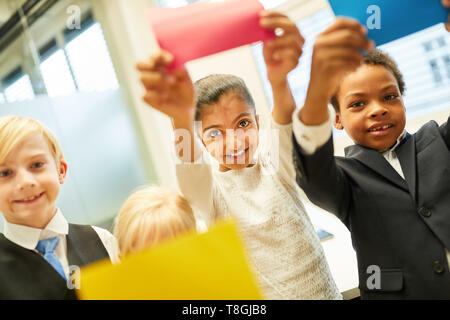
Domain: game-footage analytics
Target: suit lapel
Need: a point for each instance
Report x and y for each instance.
(74, 253)
(375, 161)
(406, 153)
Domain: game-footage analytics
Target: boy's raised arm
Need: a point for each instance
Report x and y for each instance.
(336, 52)
(281, 56)
(173, 95)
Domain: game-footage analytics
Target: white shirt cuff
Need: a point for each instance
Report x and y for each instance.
(311, 138)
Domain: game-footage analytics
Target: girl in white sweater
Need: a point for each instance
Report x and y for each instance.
(224, 170)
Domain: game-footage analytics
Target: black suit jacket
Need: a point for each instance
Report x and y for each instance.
(24, 274)
(401, 226)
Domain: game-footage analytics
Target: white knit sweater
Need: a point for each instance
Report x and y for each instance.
(285, 250)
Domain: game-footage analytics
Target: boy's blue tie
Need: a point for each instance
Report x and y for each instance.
(47, 248)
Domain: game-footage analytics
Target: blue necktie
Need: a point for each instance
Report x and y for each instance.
(47, 248)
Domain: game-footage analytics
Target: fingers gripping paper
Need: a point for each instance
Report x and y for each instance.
(207, 266)
(202, 29)
(388, 20)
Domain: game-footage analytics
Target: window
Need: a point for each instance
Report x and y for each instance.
(435, 69)
(83, 64)
(447, 65)
(424, 72)
(421, 58)
(428, 46)
(55, 71)
(2, 98)
(17, 86)
(89, 58)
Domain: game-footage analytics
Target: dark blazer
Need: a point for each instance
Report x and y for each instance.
(24, 274)
(401, 226)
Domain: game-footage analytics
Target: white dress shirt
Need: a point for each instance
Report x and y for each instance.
(28, 238)
(310, 138)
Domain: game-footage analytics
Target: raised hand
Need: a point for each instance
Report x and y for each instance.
(170, 93)
(336, 52)
(281, 54)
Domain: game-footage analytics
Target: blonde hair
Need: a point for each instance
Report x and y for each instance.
(150, 215)
(13, 129)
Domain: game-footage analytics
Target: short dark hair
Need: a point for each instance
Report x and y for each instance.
(208, 90)
(378, 58)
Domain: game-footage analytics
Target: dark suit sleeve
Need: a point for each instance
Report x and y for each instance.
(325, 183)
(445, 132)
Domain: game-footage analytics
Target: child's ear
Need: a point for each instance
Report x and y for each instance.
(337, 122)
(62, 171)
(257, 121)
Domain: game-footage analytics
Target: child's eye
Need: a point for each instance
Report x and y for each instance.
(5, 173)
(356, 104)
(244, 123)
(390, 97)
(214, 134)
(37, 165)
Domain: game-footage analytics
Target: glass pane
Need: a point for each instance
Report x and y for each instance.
(19, 90)
(90, 61)
(56, 75)
(424, 71)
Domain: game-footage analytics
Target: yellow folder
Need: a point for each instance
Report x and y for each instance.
(207, 266)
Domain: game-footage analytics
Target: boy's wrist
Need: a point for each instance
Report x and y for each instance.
(281, 91)
(283, 102)
(315, 109)
(317, 93)
(279, 84)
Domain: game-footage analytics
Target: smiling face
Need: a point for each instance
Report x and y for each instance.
(371, 107)
(30, 180)
(229, 131)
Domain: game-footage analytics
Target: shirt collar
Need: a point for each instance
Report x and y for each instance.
(28, 237)
(399, 140)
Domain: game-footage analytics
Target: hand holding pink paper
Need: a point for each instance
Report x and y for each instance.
(202, 29)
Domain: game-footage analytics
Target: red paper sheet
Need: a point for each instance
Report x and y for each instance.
(202, 29)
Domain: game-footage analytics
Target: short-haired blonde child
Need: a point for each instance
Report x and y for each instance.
(38, 246)
(14, 129)
(151, 215)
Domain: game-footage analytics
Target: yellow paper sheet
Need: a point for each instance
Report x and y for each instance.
(207, 266)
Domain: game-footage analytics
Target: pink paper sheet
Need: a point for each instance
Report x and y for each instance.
(202, 29)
